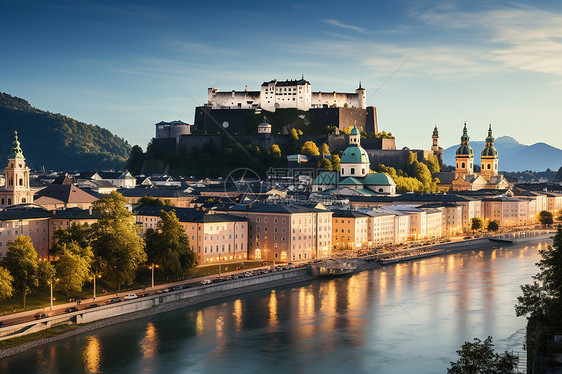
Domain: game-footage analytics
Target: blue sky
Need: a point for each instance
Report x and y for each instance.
(127, 65)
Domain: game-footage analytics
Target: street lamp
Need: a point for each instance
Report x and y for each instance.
(51, 283)
(153, 266)
(95, 276)
(219, 264)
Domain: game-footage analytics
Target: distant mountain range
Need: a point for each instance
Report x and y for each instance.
(514, 156)
(55, 141)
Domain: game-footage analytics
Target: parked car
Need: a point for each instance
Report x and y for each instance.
(94, 305)
(144, 294)
(175, 288)
(205, 281)
(71, 309)
(130, 296)
(114, 300)
(40, 315)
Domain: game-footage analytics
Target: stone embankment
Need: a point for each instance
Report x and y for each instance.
(111, 314)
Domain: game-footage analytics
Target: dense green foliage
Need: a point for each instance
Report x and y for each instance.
(493, 226)
(478, 357)
(541, 302)
(476, 224)
(154, 201)
(56, 141)
(73, 267)
(416, 178)
(21, 261)
(116, 245)
(6, 279)
(542, 299)
(168, 246)
(545, 218)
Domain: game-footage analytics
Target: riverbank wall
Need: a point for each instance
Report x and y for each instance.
(188, 296)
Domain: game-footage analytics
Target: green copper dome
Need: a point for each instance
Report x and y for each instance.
(490, 150)
(354, 154)
(465, 149)
(16, 150)
(354, 130)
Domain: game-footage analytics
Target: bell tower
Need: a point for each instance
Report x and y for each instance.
(465, 156)
(489, 157)
(17, 189)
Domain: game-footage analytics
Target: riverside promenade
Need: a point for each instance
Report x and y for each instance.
(116, 313)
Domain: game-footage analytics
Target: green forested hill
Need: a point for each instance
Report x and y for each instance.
(56, 141)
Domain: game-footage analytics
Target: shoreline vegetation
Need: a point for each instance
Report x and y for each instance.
(21, 344)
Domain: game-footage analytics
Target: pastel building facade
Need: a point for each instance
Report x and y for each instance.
(281, 232)
(350, 230)
(213, 238)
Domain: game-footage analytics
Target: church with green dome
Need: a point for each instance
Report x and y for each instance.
(355, 176)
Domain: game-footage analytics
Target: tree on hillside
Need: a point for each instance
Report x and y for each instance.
(310, 149)
(432, 163)
(493, 226)
(545, 218)
(325, 164)
(6, 279)
(479, 357)
(275, 151)
(476, 224)
(324, 149)
(542, 299)
(154, 201)
(168, 246)
(136, 160)
(21, 261)
(294, 134)
(336, 162)
(115, 243)
(73, 267)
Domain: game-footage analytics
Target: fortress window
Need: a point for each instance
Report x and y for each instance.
(352, 170)
(462, 165)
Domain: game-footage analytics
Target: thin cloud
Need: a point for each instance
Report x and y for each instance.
(520, 37)
(335, 22)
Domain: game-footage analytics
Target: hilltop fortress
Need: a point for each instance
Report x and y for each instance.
(289, 94)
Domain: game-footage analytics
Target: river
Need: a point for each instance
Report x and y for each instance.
(405, 318)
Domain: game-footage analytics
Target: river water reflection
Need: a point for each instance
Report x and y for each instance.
(405, 318)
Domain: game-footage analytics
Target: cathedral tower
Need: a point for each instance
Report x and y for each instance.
(489, 157)
(465, 156)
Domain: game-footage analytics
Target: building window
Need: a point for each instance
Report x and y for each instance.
(352, 171)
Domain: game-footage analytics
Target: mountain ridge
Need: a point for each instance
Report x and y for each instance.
(56, 141)
(514, 156)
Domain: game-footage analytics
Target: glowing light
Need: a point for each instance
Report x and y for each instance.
(238, 314)
(92, 355)
(273, 309)
(150, 341)
(199, 324)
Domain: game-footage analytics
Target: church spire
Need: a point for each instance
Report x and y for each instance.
(16, 149)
